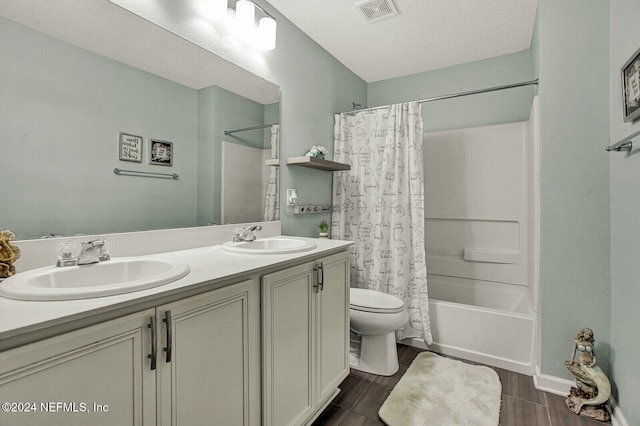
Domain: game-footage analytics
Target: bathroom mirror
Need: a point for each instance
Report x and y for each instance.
(87, 88)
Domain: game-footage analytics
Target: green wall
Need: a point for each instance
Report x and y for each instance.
(61, 112)
(573, 64)
(625, 231)
(313, 86)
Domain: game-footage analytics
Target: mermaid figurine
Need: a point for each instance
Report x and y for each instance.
(593, 388)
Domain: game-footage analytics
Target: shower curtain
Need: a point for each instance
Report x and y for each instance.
(272, 202)
(379, 204)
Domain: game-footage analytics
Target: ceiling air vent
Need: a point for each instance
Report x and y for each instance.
(376, 10)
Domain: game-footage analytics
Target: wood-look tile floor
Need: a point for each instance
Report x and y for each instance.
(362, 395)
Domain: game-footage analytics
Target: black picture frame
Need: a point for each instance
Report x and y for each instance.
(160, 152)
(631, 88)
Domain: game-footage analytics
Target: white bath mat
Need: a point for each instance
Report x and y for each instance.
(441, 391)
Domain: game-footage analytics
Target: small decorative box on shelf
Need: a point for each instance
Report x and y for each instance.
(317, 163)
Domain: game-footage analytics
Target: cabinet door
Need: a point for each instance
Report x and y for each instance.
(288, 310)
(333, 323)
(212, 376)
(99, 375)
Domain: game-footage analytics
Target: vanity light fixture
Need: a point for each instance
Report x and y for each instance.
(241, 18)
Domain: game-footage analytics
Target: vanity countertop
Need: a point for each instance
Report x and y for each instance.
(211, 267)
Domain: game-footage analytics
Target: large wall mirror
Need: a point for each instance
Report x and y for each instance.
(87, 88)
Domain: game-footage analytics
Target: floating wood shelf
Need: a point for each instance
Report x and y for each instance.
(273, 162)
(317, 163)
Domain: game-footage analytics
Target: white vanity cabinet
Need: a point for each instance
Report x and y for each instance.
(206, 370)
(305, 326)
(209, 361)
(269, 348)
(97, 375)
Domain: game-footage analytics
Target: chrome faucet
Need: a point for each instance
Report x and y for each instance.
(93, 252)
(248, 233)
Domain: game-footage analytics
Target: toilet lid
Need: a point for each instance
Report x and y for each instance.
(374, 301)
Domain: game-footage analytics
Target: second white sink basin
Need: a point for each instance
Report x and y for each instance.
(115, 276)
(271, 245)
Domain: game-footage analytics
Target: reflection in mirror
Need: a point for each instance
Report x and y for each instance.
(64, 108)
(259, 198)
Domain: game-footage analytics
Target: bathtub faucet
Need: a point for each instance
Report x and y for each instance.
(248, 233)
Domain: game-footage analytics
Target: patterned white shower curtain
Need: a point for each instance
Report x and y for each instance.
(379, 204)
(272, 201)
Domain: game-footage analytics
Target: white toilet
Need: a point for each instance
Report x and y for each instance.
(376, 316)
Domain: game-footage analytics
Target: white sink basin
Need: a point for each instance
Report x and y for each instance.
(115, 276)
(271, 245)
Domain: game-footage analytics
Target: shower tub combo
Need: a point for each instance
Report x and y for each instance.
(481, 242)
(487, 324)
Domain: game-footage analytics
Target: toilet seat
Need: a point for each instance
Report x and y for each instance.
(374, 301)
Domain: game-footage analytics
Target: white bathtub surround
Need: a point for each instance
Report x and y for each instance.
(485, 322)
(379, 204)
(482, 242)
(248, 203)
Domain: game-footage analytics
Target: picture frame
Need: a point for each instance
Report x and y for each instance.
(631, 88)
(160, 152)
(130, 147)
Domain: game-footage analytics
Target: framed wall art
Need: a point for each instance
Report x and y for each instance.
(631, 88)
(130, 147)
(161, 153)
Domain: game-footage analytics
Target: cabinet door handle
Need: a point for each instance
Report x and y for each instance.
(167, 320)
(321, 276)
(316, 280)
(153, 354)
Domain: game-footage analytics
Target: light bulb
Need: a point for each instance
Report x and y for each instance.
(267, 31)
(213, 9)
(219, 8)
(245, 13)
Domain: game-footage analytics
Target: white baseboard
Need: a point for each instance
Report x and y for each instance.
(559, 386)
(617, 418)
(551, 384)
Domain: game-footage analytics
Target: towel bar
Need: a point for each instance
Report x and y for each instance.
(145, 174)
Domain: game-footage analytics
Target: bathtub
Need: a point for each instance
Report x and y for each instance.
(490, 323)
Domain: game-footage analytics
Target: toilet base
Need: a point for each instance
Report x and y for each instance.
(378, 355)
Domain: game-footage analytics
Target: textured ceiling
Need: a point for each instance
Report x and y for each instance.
(425, 35)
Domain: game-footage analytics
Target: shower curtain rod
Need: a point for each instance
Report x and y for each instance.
(228, 132)
(457, 95)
